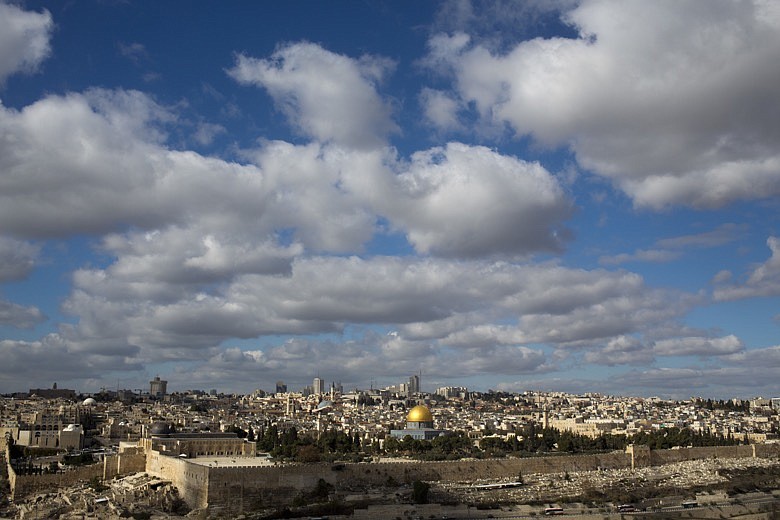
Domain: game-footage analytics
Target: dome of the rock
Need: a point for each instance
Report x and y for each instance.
(419, 414)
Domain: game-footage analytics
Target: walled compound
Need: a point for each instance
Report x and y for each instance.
(233, 484)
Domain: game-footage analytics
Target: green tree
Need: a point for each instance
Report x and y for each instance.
(391, 445)
(307, 454)
(269, 439)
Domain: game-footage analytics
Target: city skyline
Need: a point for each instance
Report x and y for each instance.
(573, 196)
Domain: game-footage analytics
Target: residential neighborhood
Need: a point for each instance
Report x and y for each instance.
(368, 416)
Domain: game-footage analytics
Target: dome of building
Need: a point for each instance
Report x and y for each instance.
(89, 402)
(419, 414)
(160, 428)
(419, 425)
(324, 406)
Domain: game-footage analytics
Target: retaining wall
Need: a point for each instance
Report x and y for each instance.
(660, 457)
(10, 474)
(231, 491)
(123, 464)
(470, 470)
(24, 485)
(192, 480)
(766, 450)
(113, 465)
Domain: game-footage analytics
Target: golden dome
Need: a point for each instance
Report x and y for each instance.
(419, 413)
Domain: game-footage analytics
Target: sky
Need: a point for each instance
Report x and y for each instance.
(574, 196)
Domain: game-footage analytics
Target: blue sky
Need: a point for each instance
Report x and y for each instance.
(572, 196)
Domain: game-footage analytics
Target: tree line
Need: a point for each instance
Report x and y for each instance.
(332, 445)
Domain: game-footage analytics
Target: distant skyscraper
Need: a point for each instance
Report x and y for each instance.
(281, 388)
(318, 386)
(414, 384)
(158, 387)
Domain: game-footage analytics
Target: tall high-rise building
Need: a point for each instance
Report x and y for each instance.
(318, 386)
(281, 388)
(158, 387)
(414, 384)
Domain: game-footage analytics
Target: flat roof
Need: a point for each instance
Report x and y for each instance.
(231, 462)
(204, 435)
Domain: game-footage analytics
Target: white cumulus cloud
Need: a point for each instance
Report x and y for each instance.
(24, 39)
(463, 200)
(675, 101)
(764, 280)
(326, 96)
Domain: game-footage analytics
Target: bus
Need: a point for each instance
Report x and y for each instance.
(553, 511)
(626, 508)
(690, 504)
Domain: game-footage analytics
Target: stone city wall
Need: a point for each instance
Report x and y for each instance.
(123, 464)
(660, 457)
(24, 485)
(9, 471)
(231, 490)
(466, 471)
(766, 450)
(112, 465)
(234, 490)
(192, 480)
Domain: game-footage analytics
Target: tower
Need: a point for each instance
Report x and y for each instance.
(158, 387)
(318, 386)
(414, 384)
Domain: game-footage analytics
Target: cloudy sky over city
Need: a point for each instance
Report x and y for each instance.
(577, 196)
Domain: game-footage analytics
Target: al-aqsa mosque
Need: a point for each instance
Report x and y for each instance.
(419, 425)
